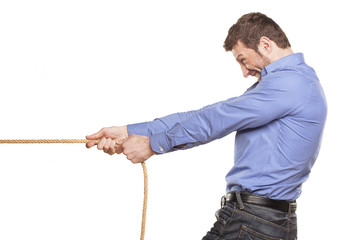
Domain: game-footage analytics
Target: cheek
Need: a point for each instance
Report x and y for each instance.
(259, 62)
(262, 62)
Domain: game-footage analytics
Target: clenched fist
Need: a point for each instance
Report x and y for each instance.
(113, 140)
(137, 148)
(108, 139)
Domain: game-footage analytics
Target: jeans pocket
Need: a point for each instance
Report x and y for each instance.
(224, 214)
(249, 234)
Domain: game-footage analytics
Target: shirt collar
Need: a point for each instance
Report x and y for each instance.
(282, 63)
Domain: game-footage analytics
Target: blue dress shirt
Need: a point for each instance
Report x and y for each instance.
(278, 121)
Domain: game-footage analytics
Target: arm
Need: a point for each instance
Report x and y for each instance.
(164, 123)
(133, 140)
(271, 99)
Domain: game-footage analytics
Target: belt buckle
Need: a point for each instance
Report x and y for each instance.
(293, 206)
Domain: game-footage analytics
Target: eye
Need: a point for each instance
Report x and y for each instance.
(241, 60)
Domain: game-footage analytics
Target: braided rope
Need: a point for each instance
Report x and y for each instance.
(44, 141)
(26, 141)
(143, 222)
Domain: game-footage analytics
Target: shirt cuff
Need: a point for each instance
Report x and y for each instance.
(138, 129)
(160, 143)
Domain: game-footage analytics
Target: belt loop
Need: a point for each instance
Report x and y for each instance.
(223, 201)
(290, 206)
(289, 210)
(239, 200)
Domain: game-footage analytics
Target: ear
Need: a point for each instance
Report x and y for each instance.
(265, 46)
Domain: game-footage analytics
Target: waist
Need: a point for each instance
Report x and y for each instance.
(247, 198)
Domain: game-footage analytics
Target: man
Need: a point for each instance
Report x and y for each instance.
(279, 123)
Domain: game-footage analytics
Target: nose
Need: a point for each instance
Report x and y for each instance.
(244, 70)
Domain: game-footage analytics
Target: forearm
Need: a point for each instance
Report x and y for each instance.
(157, 125)
(162, 124)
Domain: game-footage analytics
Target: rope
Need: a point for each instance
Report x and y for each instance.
(143, 222)
(25, 141)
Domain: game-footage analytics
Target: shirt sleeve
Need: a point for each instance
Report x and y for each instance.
(273, 98)
(164, 123)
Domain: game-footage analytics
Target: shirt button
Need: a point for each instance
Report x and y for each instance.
(161, 149)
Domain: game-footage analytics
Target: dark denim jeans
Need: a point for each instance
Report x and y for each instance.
(252, 223)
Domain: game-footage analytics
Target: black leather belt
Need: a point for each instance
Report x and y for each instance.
(280, 205)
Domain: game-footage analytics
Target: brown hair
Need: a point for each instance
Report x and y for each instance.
(251, 27)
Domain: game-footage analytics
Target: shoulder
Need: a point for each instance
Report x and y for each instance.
(287, 79)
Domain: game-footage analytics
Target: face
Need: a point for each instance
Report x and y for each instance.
(250, 61)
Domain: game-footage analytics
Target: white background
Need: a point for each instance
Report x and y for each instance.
(70, 67)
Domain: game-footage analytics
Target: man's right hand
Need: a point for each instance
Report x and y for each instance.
(109, 139)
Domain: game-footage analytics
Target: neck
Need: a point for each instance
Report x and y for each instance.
(280, 53)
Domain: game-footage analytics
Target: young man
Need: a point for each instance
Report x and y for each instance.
(279, 123)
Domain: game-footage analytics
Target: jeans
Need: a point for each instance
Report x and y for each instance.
(241, 221)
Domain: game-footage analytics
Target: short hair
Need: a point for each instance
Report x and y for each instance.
(251, 27)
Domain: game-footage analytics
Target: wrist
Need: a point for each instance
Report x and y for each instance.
(126, 131)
